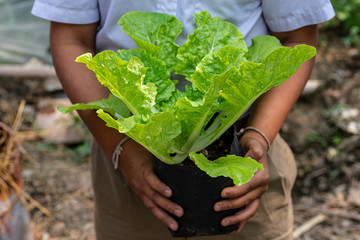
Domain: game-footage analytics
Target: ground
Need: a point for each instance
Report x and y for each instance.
(322, 130)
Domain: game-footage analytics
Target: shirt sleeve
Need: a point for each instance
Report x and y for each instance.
(288, 15)
(67, 11)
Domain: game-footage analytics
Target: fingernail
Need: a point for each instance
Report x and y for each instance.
(168, 192)
(226, 223)
(172, 227)
(219, 207)
(178, 212)
(225, 194)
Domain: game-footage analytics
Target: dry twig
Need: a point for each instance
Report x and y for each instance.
(9, 158)
(308, 225)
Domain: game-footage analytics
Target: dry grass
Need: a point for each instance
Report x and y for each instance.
(10, 152)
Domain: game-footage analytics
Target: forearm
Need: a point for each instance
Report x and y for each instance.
(271, 109)
(79, 83)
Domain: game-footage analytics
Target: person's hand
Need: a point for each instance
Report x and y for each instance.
(247, 195)
(136, 165)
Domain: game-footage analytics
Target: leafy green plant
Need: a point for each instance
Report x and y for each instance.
(316, 138)
(46, 147)
(226, 78)
(79, 154)
(348, 20)
(336, 138)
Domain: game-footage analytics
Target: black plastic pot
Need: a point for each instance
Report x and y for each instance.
(197, 193)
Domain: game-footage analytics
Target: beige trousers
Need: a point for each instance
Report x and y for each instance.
(121, 215)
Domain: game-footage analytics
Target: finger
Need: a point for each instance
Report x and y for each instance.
(242, 215)
(160, 213)
(156, 203)
(253, 145)
(245, 200)
(241, 226)
(237, 191)
(162, 201)
(255, 152)
(157, 184)
(260, 179)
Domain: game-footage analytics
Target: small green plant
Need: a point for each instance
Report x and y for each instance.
(334, 175)
(335, 110)
(336, 138)
(332, 139)
(46, 147)
(79, 154)
(316, 138)
(226, 78)
(347, 20)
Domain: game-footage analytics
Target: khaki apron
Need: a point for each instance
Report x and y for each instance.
(121, 215)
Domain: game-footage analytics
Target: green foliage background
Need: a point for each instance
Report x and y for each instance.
(347, 20)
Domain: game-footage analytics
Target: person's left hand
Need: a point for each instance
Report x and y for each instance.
(247, 195)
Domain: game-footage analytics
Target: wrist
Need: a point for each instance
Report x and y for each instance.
(249, 133)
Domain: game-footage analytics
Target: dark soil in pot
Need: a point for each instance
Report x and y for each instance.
(197, 193)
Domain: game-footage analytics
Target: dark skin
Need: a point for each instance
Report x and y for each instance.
(70, 41)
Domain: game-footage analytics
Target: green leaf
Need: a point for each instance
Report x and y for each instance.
(253, 79)
(112, 105)
(241, 87)
(194, 115)
(211, 35)
(261, 47)
(276, 67)
(124, 79)
(216, 63)
(157, 133)
(239, 169)
(157, 72)
(155, 33)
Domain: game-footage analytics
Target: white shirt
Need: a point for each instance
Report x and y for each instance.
(252, 17)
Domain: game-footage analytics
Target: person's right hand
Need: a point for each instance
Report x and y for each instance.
(136, 165)
(246, 196)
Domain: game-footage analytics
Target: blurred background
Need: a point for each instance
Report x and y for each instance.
(45, 189)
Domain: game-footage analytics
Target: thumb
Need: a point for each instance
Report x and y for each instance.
(256, 150)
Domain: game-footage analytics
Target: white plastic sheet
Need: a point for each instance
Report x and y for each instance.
(22, 35)
(15, 221)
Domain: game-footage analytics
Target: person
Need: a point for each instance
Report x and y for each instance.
(132, 203)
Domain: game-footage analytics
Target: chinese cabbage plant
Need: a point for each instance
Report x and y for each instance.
(226, 78)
